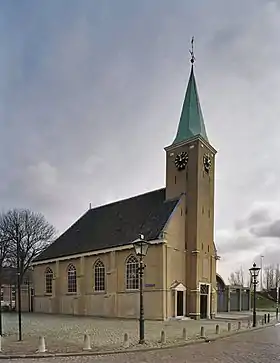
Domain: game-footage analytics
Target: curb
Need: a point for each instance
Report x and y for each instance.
(209, 339)
(213, 338)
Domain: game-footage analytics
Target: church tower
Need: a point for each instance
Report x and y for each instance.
(190, 171)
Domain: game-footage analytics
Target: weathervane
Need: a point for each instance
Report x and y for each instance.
(192, 52)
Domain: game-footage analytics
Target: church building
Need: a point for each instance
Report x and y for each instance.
(91, 269)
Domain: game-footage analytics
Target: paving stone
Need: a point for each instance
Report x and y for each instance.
(65, 333)
(261, 346)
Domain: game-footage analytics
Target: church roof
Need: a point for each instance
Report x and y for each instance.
(191, 121)
(113, 225)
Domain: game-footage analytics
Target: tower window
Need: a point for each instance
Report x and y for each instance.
(209, 214)
(175, 179)
(208, 248)
(202, 210)
(202, 246)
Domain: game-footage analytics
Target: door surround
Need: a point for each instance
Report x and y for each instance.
(175, 287)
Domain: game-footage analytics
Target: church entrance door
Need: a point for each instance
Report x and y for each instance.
(204, 301)
(203, 306)
(180, 303)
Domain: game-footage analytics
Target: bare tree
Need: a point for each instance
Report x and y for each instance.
(277, 275)
(4, 251)
(28, 234)
(237, 278)
(269, 277)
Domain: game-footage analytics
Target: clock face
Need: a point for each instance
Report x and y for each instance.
(181, 160)
(207, 162)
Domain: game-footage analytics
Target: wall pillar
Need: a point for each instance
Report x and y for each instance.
(228, 297)
(213, 303)
(80, 306)
(240, 299)
(249, 298)
(194, 311)
(112, 286)
(56, 290)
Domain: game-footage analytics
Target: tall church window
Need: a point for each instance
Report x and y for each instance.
(99, 276)
(72, 278)
(132, 275)
(48, 280)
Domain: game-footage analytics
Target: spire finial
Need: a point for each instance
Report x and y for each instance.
(192, 52)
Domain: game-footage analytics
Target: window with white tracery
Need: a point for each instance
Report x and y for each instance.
(72, 278)
(99, 276)
(132, 275)
(48, 280)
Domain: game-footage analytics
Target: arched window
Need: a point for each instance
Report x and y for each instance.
(99, 276)
(48, 280)
(72, 278)
(132, 276)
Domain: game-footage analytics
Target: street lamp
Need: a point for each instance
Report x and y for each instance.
(141, 248)
(261, 277)
(254, 271)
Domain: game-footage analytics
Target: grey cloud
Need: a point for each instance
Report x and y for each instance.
(86, 114)
(269, 230)
(255, 217)
(242, 244)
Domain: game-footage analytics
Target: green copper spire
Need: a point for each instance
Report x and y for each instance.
(191, 120)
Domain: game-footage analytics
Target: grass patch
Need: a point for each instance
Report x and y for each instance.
(262, 303)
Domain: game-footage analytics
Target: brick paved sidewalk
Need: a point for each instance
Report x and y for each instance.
(66, 333)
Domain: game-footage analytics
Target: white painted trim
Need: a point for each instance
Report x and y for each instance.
(184, 304)
(93, 253)
(179, 287)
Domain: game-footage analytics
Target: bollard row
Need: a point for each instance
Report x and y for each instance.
(87, 346)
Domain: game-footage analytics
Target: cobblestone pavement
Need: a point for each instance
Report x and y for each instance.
(66, 333)
(260, 346)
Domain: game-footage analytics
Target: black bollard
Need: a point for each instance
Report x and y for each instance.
(265, 318)
(277, 311)
(268, 318)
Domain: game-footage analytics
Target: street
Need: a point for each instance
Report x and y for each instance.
(260, 346)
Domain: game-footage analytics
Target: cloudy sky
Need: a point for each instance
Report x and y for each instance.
(91, 93)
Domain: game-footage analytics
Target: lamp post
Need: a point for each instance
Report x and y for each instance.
(254, 271)
(19, 293)
(141, 248)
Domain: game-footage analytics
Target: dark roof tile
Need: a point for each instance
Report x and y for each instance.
(113, 225)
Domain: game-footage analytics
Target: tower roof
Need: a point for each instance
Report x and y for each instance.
(191, 121)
